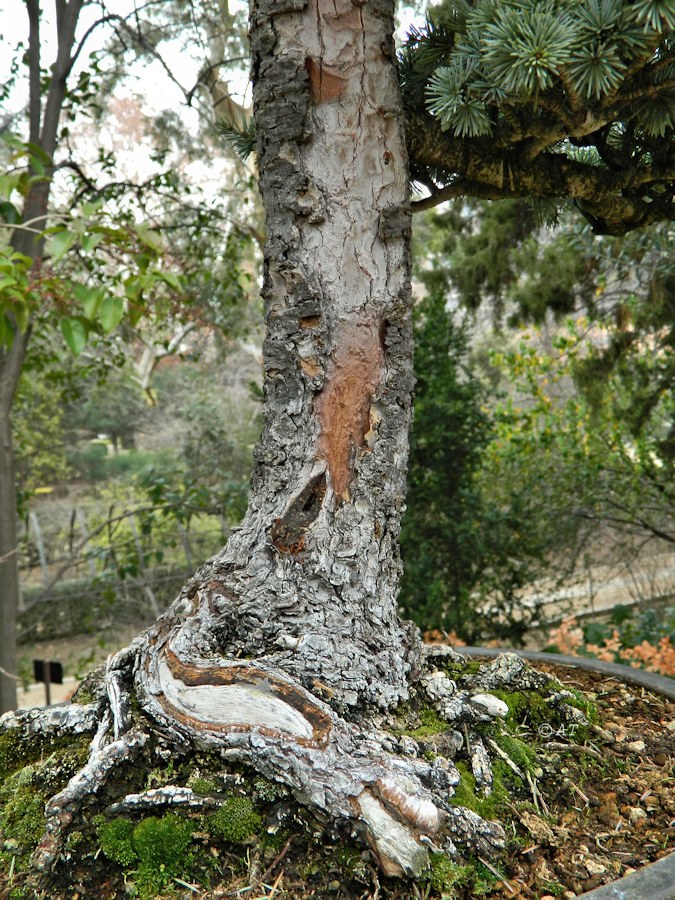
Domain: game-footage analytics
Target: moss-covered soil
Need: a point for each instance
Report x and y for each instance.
(595, 801)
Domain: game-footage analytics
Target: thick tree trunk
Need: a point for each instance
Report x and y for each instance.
(308, 583)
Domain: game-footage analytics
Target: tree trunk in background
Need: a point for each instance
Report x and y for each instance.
(10, 367)
(43, 133)
(308, 582)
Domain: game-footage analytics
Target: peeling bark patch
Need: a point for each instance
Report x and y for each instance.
(240, 698)
(310, 322)
(396, 849)
(419, 811)
(311, 367)
(326, 84)
(288, 532)
(344, 404)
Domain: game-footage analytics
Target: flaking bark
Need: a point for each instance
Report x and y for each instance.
(308, 582)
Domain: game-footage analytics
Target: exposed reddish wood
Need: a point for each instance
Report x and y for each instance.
(353, 375)
(326, 83)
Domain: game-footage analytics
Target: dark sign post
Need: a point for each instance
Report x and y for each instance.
(50, 672)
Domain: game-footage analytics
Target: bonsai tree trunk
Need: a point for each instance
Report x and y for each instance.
(292, 629)
(308, 582)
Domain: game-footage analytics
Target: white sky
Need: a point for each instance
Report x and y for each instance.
(148, 80)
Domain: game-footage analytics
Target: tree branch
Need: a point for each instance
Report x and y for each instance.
(608, 199)
(35, 100)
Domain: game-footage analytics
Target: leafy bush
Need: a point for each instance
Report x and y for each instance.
(645, 640)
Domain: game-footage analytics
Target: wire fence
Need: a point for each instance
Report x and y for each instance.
(79, 574)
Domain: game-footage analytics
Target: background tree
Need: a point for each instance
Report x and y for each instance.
(604, 308)
(473, 537)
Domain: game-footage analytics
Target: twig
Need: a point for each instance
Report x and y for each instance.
(273, 889)
(507, 759)
(9, 674)
(555, 745)
(497, 874)
(536, 795)
(577, 790)
(268, 871)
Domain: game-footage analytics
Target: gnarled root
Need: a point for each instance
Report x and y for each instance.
(254, 713)
(249, 711)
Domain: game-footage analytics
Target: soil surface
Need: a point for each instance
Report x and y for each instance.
(608, 805)
(600, 807)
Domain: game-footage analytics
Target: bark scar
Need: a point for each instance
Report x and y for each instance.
(343, 406)
(288, 532)
(326, 83)
(263, 681)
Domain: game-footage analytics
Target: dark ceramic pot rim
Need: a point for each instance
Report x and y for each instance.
(657, 880)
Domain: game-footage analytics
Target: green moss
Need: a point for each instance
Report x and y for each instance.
(22, 819)
(203, 786)
(155, 851)
(18, 750)
(275, 841)
(161, 776)
(115, 838)
(525, 708)
(267, 791)
(235, 821)
(447, 875)
(484, 880)
(11, 752)
(430, 723)
(460, 670)
(554, 888)
(587, 707)
(467, 795)
(22, 893)
(521, 753)
(349, 861)
(162, 846)
(74, 839)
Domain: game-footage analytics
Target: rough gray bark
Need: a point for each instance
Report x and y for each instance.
(308, 582)
(296, 619)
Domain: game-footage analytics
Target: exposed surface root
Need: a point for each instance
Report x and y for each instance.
(170, 796)
(71, 719)
(400, 803)
(64, 806)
